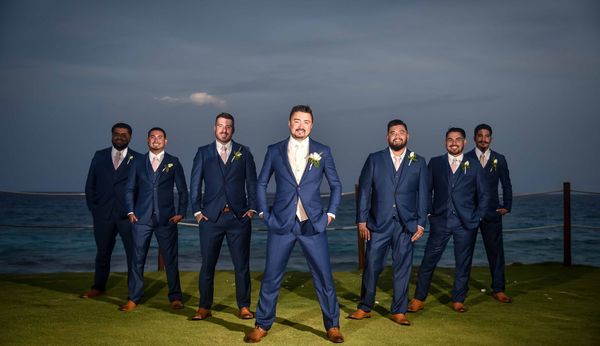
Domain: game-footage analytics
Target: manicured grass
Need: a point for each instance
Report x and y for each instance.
(553, 305)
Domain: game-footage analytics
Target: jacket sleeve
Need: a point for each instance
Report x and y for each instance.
(335, 185)
(506, 184)
(423, 197)
(365, 185)
(131, 188)
(251, 181)
(196, 179)
(90, 184)
(262, 183)
(182, 189)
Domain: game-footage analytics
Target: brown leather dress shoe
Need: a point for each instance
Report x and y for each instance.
(201, 314)
(400, 319)
(459, 307)
(246, 314)
(177, 305)
(359, 314)
(255, 335)
(502, 297)
(334, 335)
(93, 293)
(130, 306)
(416, 305)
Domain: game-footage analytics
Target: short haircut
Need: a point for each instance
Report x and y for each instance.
(396, 122)
(303, 109)
(122, 126)
(456, 129)
(157, 129)
(482, 127)
(226, 116)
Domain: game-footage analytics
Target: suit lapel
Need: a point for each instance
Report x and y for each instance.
(307, 167)
(403, 167)
(389, 164)
(288, 165)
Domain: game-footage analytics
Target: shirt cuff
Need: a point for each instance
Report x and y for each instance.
(197, 213)
(332, 215)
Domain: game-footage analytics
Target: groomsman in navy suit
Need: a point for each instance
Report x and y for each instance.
(151, 203)
(105, 197)
(226, 170)
(299, 164)
(392, 212)
(459, 203)
(495, 171)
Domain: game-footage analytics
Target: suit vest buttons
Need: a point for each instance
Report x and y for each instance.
(394, 206)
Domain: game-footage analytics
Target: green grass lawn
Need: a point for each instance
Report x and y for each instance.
(553, 305)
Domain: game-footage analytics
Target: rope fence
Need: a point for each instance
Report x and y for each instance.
(566, 225)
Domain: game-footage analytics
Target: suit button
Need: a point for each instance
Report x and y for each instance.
(394, 206)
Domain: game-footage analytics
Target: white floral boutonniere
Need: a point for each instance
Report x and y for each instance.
(129, 159)
(168, 167)
(314, 159)
(412, 157)
(465, 166)
(494, 165)
(237, 154)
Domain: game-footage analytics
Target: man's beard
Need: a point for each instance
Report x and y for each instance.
(119, 147)
(397, 147)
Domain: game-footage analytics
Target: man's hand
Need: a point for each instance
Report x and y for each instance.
(418, 234)
(199, 217)
(176, 218)
(502, 211)
(329, 219)
(132, 218)
(249, 214)
(364, 231)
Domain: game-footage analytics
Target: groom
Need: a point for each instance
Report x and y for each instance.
(299, 164)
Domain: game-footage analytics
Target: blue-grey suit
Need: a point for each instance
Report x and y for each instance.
(459, 203)
(285, 228)
(393, 204)
(491, 225)
(229, 192)
(105, 197)
(151, 198)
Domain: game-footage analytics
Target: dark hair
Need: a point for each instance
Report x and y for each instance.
(122, 126)
(226, 116)
(456, 129)
(157, 129)
(303, 109)
(396, 122)
(482, 127)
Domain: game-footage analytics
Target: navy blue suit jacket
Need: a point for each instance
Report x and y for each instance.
(143, 191)
(469, 193)
(105, 186)
(280, 218)
(233, 184)
(380, 196)
(493, 174)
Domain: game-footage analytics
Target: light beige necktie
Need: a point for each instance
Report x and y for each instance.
(224, 154)
(454, 165)
(482, 160)
(297, 164)
(397, 162)
(117, 159)
(155, 163)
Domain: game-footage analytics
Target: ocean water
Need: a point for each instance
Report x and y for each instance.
(52, 233)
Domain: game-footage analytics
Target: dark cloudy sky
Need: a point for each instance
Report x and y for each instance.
(70, 69)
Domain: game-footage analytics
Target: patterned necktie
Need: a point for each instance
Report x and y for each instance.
(482, 160)
(117, 159)
(155, 163)
(397, 162)
(224, 154)
(454, 165)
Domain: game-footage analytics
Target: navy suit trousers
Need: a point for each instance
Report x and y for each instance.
(491, 233)
(396, 238)
(105, 234)
(167, 245)
(464, 244)
(316, 251)
(238, 240)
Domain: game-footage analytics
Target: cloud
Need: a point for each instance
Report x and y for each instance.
(198, 98)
